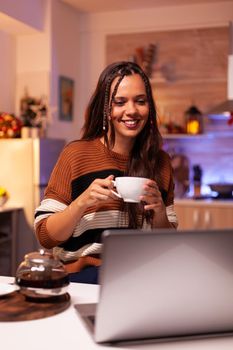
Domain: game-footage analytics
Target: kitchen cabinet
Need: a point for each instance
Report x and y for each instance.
(194, 214)
(9, 224)
(25, 177)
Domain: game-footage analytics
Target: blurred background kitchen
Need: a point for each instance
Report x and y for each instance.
(52, 52)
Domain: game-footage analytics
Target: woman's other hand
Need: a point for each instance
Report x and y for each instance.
(153, 197)
(153, 201)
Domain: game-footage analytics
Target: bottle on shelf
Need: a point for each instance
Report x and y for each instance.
(197, 179)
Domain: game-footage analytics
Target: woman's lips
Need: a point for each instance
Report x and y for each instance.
(131, 124)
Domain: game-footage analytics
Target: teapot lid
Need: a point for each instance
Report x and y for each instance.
(42, 257)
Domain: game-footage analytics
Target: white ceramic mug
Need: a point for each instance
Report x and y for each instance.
(129, 188)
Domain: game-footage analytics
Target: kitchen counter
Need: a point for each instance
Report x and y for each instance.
(204, 213)
(67, 330)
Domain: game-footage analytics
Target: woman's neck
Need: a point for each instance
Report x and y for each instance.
(123, 146)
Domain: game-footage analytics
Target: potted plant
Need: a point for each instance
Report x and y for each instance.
(33, 113)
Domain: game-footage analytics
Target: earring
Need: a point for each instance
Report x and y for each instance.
(104, 123)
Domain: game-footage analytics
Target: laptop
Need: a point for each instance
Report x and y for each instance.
(163, 284)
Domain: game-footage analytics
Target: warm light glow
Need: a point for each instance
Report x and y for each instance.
(193, 127)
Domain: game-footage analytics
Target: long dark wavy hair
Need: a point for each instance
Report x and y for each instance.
(143, 157)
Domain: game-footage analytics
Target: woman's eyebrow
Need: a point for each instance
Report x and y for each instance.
(119, 98)
(141, 95)
(124, 97)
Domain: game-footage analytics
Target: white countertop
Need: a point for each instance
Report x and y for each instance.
(5, 208)
(67, 331)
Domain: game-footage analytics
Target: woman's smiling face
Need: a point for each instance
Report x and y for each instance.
(130, 108)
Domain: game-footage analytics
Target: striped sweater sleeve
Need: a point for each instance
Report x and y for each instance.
(57, 197)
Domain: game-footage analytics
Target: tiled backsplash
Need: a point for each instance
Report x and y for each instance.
(213, 152)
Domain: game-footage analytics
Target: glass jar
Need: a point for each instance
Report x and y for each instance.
(41, 275)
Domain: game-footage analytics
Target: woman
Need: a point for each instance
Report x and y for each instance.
(120, 137)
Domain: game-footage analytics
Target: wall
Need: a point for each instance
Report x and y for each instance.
(80, 40)
(33, 62)
(28, 12)
(8, 76)
(181, 72)
(38, 57)
(43, 57)
(96, 28)
(65, 61)
(23, 19)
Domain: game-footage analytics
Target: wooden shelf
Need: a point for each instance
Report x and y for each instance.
(161, 80)
(210, 135)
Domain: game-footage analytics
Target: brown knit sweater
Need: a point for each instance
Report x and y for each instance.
(78, 165)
